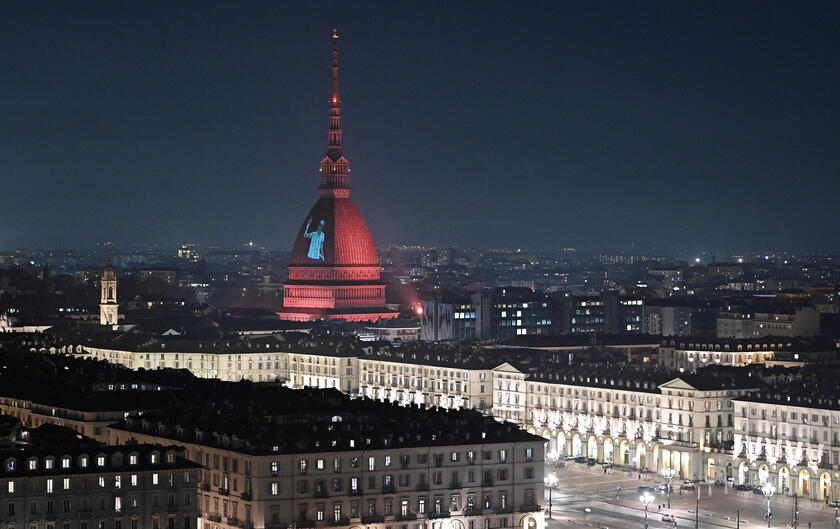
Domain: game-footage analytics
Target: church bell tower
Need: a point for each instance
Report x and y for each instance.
(108, 306)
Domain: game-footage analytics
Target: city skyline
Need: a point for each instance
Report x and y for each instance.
(510, 127)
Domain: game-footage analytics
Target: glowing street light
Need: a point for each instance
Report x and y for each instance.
(550, 482)
(669, 474)
(646, 498)
(768, 491)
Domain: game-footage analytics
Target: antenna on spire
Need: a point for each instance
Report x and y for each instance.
(335, 98)
(335, 170)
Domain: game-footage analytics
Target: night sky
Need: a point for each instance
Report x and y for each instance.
(655, 125)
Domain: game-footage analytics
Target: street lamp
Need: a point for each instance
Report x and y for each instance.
(550, 482)
(669, 473)
(768, 491)
(646, 498)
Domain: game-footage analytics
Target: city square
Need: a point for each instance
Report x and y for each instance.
(586, 496)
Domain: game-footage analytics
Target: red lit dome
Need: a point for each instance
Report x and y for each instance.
(347, 240)
(334, 271)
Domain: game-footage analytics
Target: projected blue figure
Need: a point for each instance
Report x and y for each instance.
(316, 240)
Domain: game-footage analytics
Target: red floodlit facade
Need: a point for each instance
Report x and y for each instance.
(334, 271)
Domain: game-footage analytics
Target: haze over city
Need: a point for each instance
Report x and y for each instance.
(646, 125)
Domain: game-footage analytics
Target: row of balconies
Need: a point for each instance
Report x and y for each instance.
(791, 437)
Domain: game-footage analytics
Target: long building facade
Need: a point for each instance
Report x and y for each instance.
(663, 422)
(363, 464)
(647, 419)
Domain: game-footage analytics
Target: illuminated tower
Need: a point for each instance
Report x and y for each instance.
(334, 271)
(108, 306)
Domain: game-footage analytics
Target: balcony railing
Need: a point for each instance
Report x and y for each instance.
(388, 489)
(406, 517)
(246, 496)
(530, 507)
(441, 514)
(343, 520)
(504, 510)
(321, 494)
(474, 511)
(373, 518)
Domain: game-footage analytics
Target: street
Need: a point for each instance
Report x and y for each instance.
(585, 496)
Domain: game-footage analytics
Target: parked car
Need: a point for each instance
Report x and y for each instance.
(687, 485)
(591, 461)
(743, 486)
(835, 504)
(580, 459)
(570, 458)
(664, 487)
(758, 490)
(669, 518)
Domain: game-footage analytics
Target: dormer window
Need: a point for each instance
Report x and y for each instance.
(170, 457)
(49, 463)
(154, 458)
(132, 459)
(11, 465)
(100, 461)
(65, 462)
(33, 464)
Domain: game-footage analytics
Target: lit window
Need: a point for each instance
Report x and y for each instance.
(275, 488)
(155, 479)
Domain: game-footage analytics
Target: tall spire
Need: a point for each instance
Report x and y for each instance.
(335, 169)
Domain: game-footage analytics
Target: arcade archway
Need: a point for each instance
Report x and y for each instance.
(592, 448)
(608, 450)
(743, 473)
(576, 446)
(784, 480)
(804, 483)
(763, 474)
(825, 486)
(623, 453)
(641, 455)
